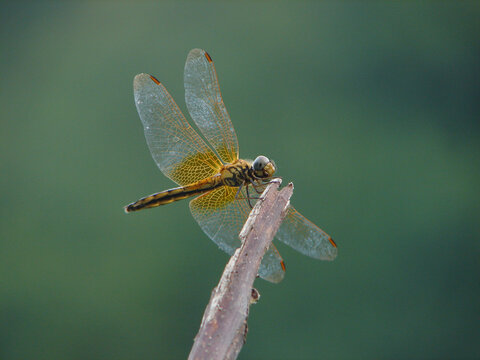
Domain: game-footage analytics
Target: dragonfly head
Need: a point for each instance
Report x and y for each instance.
(263, 167)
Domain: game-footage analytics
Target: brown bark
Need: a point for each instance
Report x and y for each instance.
(224, 325)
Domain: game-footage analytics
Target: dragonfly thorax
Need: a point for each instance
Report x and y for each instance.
(241, 172)
(236, 173)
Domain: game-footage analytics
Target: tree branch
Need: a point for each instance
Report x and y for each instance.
(224, 325)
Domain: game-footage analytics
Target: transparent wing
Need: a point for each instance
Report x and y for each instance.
(221, 217)
(178, 150)
(305, 237)
(206, 107)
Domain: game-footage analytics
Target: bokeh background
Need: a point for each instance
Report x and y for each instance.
(371, 109)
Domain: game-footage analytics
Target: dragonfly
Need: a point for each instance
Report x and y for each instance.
(224, 186)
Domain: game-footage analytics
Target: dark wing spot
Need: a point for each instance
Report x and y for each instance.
(332, 242)
(155, 80)
(209, 58)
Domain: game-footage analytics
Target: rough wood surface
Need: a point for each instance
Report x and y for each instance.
(224, 325)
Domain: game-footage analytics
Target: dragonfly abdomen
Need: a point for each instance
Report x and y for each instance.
(175, 194)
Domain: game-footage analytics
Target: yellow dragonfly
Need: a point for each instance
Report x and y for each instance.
(222, 182)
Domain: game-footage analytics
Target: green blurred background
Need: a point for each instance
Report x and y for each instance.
(372, 110)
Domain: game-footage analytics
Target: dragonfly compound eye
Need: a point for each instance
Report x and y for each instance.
(260, 162)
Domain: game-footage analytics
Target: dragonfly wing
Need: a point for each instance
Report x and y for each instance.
(272, 267)
(305, 237)
(221, 217)
(206, 107)
(176, 147)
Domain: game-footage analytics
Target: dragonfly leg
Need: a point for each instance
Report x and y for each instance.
(248, 198)
(238, 191)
